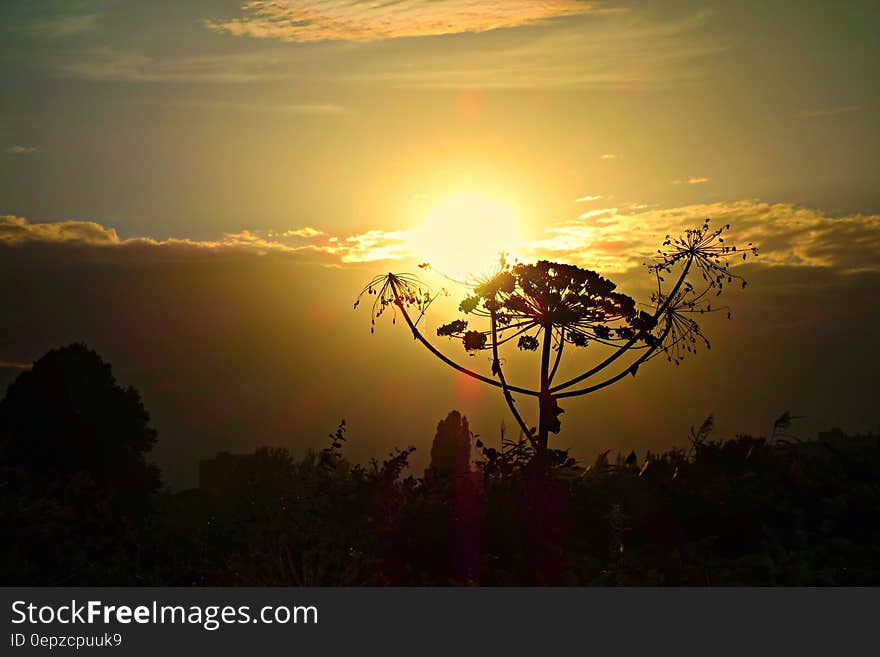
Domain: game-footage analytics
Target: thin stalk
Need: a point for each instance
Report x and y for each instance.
(496, 368)
(543, 431)
(479, 377)
(618, 377)
(558, 356)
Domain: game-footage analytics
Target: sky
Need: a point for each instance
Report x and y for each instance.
(199, 190)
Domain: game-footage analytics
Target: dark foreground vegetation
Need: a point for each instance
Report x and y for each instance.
(82, 506)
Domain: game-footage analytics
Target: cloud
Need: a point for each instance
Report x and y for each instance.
(622, 49)
(699, 180)
(596, 47)
(369, 246)
(587, 199)
(614, 239)
(322, 20)
(316, 109)
(302, 109)
(607, 156)
(16, 230)
(604, 50)
(307, 232)
(832, 111)
(21, 150)
(62, 26)
(601, 212)
(114, 64)
(787, 235)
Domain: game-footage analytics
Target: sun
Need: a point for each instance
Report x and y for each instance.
(464, 235)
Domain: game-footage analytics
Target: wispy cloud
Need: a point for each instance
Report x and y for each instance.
(587, 199)
(607, 156)
(114, 64)
(831, 111)
(316, 109)
(307, 232)
(21, 150)
(595, 47)
(618, 50)
(601, 212)
(322, 20)
(697, 180)
(61, 26)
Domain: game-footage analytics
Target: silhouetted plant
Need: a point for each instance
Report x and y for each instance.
(545, 306)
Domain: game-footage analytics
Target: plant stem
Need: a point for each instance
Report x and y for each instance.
(479, 377)
(558, 355)
(618, 377)
(496, 368)
(543, 423)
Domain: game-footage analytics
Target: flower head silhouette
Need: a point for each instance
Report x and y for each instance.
(544, 306)
(394, 291)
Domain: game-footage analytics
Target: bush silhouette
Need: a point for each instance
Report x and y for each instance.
(746, 511)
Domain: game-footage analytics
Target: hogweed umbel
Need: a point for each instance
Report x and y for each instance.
(546, 306)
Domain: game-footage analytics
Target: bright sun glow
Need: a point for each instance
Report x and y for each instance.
(465, 234)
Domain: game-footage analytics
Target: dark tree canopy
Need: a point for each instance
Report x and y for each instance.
(68, 420)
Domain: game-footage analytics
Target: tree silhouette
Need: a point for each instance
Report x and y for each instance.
(546, 306)
(68, 420)
(74, 481)
(451, 449)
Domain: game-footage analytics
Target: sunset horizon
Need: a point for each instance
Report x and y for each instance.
(335, 139)
(455, 292)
